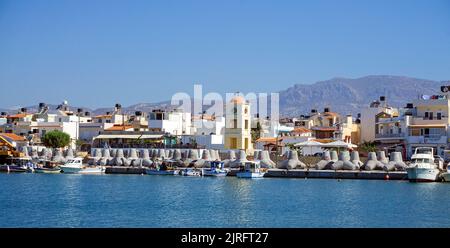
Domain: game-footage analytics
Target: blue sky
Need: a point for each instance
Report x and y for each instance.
(97, 53)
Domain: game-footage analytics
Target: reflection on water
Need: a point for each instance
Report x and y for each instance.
(41, 200)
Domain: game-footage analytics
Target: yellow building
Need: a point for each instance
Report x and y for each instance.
(238, 125)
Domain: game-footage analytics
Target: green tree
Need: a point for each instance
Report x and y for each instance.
(368, 146)
(256, 132)
(56, 139)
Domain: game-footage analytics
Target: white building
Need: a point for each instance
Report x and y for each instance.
(175, 122)
(368, 118)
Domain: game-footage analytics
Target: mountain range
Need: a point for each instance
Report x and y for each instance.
(342, 95)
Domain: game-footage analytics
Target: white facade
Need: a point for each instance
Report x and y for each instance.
(173, 122)
(368, 116)
(206, 141)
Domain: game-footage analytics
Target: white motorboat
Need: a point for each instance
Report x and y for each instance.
(93, 170)
(18, 164)
(165, 168)
(191, 172)
(217, 170)
(424, 167)
(446, 175)
(250, 169)
(73, 165)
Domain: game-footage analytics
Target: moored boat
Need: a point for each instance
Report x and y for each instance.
(55, 170)
(164, 168)
(446, 175)
(250, 169)
(191, 172)
(217, 170)
(424, 167)
(73, 165)
(18, 164)
(93, 170)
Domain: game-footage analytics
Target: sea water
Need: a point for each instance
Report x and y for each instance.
(70, 200)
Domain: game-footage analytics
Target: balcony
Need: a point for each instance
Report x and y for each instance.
(428, 139)
(427, 121)
(389, 135)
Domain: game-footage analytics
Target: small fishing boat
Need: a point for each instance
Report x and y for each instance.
(191, 172)
(446, 175)
(93, 170)
(217, 169)
(424, 166)
(18, 164)
(250, 169)
(54, 170)
(73, 165)
(164, 168)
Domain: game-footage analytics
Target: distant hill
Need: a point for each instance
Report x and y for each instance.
(348, 96)
(343, 95)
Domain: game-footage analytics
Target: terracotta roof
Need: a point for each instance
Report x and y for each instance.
(119, 128)
(268, 139)
(324, 128)
(301, 130)
(102, 116)
(323, 140)
(12, 136)
(330, 114)
(17, 116)
(238, 100)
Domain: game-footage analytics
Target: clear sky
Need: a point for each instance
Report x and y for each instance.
(97, 53)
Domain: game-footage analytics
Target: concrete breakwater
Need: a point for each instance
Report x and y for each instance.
(339, 174)
(294, 173)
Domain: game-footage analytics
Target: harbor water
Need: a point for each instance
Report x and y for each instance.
(64, 200)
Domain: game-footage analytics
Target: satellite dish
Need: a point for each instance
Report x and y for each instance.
(65, 102)
(445, 89)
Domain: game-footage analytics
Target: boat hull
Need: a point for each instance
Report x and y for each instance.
(47, 170)
(250, 174)
(13, 169)
(70, 169)
(191, 173)
(446, 176)
(422, 174)
(96, 170)
(162, 172)
(208, 173)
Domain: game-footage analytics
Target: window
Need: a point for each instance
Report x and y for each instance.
(233, 143)
(431, 115)
(246, 143)
(246, 124)
(439, 116)
(235, 123)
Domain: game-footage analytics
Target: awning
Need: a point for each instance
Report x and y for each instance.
(429, 125)
(129, 136)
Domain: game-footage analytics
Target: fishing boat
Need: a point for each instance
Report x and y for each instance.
(73, 165)
(217, 170)
(93, 170)
(164, 168)
(18, 164)
(250, 169)
(191, 172)
(424, 167)
(446, 175)
(46, 170)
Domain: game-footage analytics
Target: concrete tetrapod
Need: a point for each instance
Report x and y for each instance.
(381, 156)
(395, 162)
(292, 162)
(372, 162)
(231, 158)
(356, 160)
(326, 158)
(104, 160)
(242, 159)
(58, 156)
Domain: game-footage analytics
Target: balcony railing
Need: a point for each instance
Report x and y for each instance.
(389, 135)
